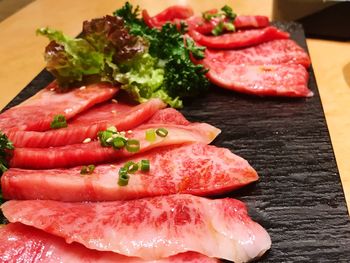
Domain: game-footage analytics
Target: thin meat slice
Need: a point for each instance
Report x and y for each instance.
(197, 169)
(94, 153)
(239, 39)
(241, 22)
(150, 228)
(88, 124)
(251, 21)
(36, 113)
(169, 116)
(21, 243)
(289, 80)
(173, 14)
(282, 51)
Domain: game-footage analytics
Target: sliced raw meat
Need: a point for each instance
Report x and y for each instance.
(174, 13)
(205, 27)
(88, 124)
(168, 116)
(251, 21)
(94, 153)
(283, 51)
(150, 228)
(21, 243)
(289, 80)
(36, 113)
(238, 39)
(197, 169)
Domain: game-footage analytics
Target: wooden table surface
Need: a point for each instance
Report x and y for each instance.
(21, 56)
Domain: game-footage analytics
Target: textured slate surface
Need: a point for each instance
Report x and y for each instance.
(299, 198)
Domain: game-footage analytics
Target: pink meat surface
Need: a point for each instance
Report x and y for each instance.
(266, 80)
(282, 51)
(205, 27)
(36, 113)
(197, 169)
(239, 39)
(275, 68)
(168, 116)
(150, 228)
(88, 124)
(94, 153)
(21, 243)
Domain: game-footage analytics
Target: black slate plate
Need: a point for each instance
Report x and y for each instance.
(299, 198)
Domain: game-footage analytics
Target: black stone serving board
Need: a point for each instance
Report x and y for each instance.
(299, 197)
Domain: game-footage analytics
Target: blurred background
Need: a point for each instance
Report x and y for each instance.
(329, 19)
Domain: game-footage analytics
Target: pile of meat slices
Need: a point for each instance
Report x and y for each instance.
(57, 214)
(256, 59)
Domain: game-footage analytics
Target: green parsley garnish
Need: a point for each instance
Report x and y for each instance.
(181, 78)
(59, 121)
(6, 148)
(87, 169)
(121, 49)
(197, 52)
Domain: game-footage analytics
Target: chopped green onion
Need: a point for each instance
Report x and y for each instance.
(131, 167)
(87, 169)
(119, 142)
(132, 146)
(218, 29)
(145, 165)
(151, 135)
(162, 132)
(228, 12)
(59, 121)
(123, 177)
(229, 27)
(112, 129)
(104, 137)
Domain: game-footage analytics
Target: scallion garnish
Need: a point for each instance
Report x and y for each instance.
(104, 137)
(162, 132)
(123, 177)
(145, 165)
(112, 129)
(229, 26)
(132, 146)
(225, 20)
(6, 148)
(131, 167)
(119, 142)
(59, 121)
(87, 169)
(218, 29)
(151, 135)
